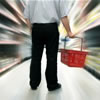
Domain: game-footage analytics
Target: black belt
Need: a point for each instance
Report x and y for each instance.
(40, 24)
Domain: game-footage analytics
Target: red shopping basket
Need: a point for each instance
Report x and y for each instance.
(73, 58)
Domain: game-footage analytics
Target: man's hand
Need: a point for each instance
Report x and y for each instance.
(71, 35)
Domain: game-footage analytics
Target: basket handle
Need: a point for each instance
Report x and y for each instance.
(75, 37)
(81, 41)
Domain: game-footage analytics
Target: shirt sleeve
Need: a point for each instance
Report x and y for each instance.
(27, 11)
(64, 8)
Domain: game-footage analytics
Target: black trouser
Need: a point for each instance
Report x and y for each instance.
(48, 35)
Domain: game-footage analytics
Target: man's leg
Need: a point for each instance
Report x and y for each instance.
(37, 50)
(51, 51)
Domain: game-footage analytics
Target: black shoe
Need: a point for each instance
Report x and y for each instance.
(55, 87)
(33, 87)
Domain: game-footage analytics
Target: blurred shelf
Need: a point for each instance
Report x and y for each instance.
(14, 6)
(16, 9)
(90, 65)
(92, 71)
(8, 65)
(9, 28)
(93, 65)
(10, 42)
(9, 16)
(93, 25)
(14, 30)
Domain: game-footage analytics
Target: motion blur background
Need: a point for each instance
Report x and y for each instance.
(15, 37)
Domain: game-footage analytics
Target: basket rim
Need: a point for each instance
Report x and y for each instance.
(73, 51)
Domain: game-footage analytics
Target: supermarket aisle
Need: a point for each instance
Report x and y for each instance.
(77, 84)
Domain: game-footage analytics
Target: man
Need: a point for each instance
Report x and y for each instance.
(44, 17)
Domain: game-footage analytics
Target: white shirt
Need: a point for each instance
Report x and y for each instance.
(46, 11)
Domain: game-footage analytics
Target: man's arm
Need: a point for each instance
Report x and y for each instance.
(65, 22)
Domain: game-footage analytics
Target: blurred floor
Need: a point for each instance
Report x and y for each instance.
(77, 84)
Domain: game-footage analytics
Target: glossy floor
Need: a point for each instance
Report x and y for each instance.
(77, 84)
